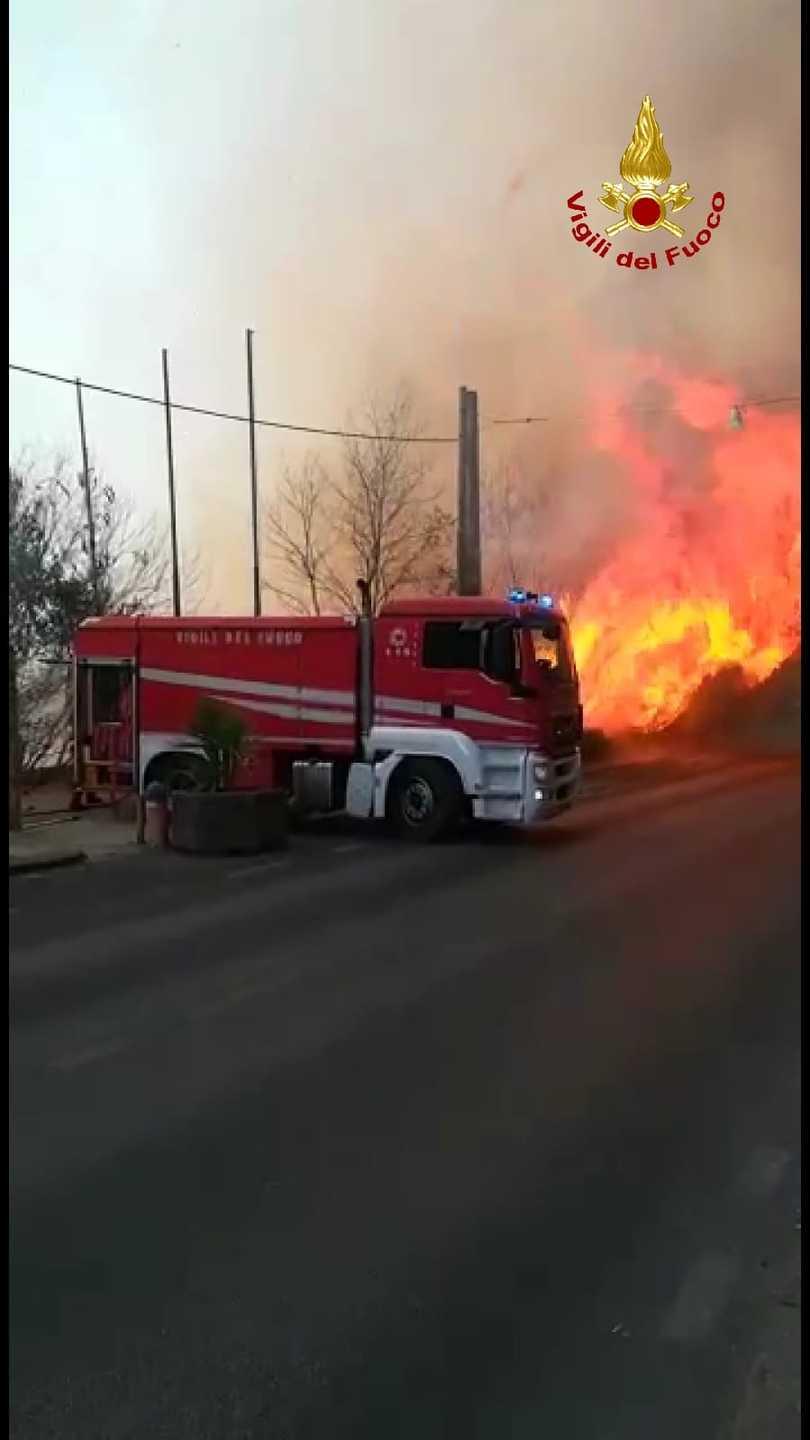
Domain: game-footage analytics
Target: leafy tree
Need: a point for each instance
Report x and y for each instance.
(52, 589)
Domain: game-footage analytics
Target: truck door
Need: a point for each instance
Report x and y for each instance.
(473, 668)
(552, 672)
(104, 737)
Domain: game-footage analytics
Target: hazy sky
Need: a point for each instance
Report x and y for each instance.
(379, 190)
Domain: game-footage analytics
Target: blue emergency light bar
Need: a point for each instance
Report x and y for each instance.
(522, 597)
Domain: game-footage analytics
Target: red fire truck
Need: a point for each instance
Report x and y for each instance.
(432, 709)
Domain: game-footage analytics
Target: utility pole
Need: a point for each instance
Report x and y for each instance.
(468, 529)
(88, 500)
(254, 492)
(170, 467)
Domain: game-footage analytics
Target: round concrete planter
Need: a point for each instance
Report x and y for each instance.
(229, 822)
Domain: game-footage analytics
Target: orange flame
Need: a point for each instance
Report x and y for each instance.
(705, 582)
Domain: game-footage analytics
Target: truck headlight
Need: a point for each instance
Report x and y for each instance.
(542, 770)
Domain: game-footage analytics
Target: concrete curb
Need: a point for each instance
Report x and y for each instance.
(54, 861)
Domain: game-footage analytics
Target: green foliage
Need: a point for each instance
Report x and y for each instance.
(48, 593)
(222, 735)
(51, 584)
(52, 589)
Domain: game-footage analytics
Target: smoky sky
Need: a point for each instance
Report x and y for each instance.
(379, 190)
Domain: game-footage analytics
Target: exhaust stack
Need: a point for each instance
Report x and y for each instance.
(366, 677)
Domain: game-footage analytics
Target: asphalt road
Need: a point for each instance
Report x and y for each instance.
(494, 1139)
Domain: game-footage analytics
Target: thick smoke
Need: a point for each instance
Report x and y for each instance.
(432, 150)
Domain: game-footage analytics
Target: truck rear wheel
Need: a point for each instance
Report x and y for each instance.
(425, 800)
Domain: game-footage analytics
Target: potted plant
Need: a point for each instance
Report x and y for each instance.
(221, 734)
(224, 820)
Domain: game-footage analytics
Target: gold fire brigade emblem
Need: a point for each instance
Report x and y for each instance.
(646, 166)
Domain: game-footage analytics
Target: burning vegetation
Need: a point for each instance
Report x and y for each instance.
(709, 576)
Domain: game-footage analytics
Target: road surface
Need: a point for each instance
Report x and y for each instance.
(494, 1139)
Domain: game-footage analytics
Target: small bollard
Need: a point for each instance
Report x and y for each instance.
(156, 823)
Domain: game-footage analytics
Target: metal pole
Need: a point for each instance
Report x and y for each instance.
(468, 537)
(474, 489)
(88, 499)
(78, 677)
(140, 831)
(461, 546)
(254, 493)
(170, 467)
(366, 628)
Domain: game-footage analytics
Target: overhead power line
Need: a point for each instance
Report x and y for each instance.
(242, 419)
(367, 435)
(633, 409)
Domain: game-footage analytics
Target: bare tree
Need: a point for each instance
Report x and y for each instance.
(500, 524)
(377, 519)
(392, 525)
(512, 530)
(296, 533)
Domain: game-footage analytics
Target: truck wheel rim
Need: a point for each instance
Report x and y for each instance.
(417, 801)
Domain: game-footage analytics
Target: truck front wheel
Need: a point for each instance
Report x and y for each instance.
(425, 800)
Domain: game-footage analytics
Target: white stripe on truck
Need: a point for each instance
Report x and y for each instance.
(408, 707)
(247, 687)
(299, 712)
(387, 705)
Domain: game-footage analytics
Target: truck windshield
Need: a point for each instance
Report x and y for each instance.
(551, 647)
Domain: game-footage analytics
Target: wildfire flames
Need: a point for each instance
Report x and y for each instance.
(709, 578)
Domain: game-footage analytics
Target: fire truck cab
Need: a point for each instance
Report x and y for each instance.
(433, 709)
